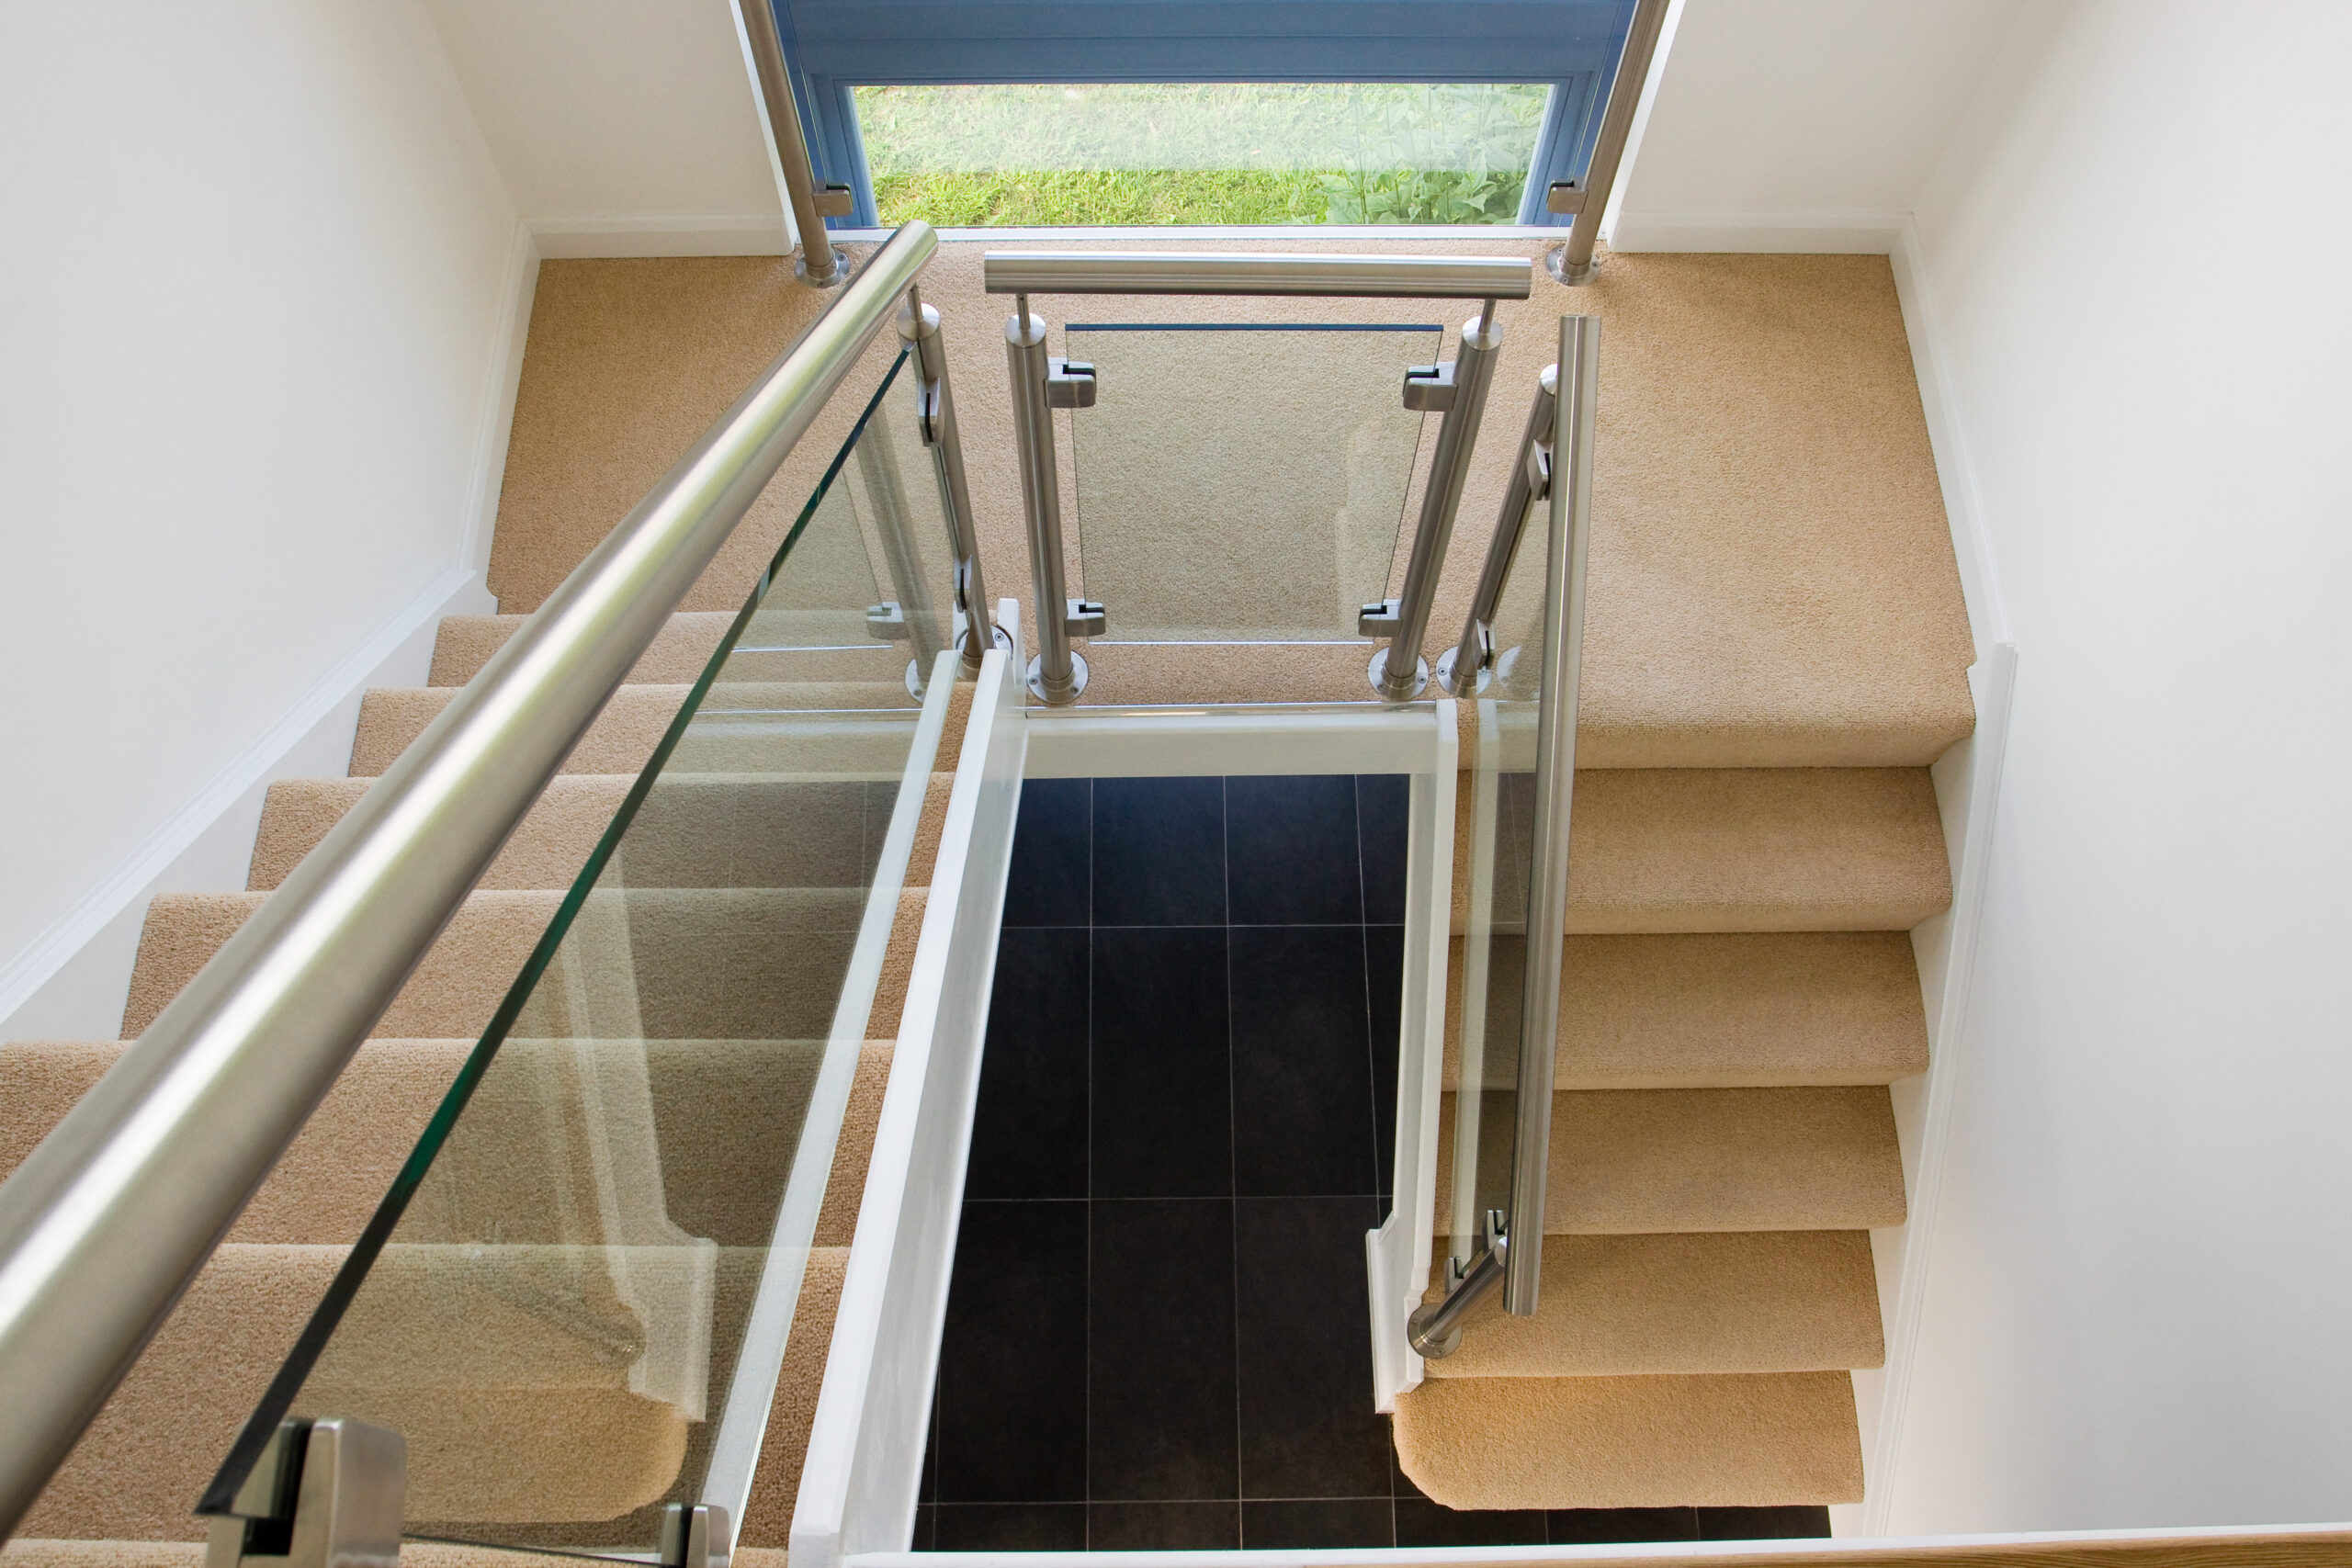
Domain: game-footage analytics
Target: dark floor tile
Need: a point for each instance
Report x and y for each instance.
(927, 1487)
(1051, 878)
(1307, 1426)
(1029, 1129)
(1382, 800)
(1581, 1527)
(926, 1527)
(1159, 851)
(1303, 1108)
(1796, 1521)
(1420, 1522)
(1160, 1388)
(1011, 1526)
(1291, 850)
(1161, 1067)
(1163, 1527)
(1012, 1427)
(1323, 1521)
(1383, 964)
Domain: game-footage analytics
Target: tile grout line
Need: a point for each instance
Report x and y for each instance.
(1232, 1147)
(1086, 1380)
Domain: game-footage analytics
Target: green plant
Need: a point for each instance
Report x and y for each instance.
(1445, 154)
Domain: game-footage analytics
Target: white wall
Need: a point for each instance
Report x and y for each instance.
(1800, 125)
(259, 286)
(623, 127)
(2130, 260)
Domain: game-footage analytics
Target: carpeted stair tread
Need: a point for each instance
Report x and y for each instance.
(692, 830)
(708, 963)
(1725, 1302)
(1863, 727)
(1709, 1159)
(1655, 850)
(1716, 1441)
(623, 738)
(772, 649)
(1751, 1009)
(174, 1415)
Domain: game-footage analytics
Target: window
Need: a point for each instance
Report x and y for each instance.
(1202, 111)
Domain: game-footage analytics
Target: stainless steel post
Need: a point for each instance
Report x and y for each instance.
(1058, 672)
(1556, 776)
(1398, 671)
(1464, 671)
(820, 266)
(1588, 198)
(919, 326)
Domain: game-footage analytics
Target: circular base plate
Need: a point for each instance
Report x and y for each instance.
(1379, 673)
(1003, 640)
(1556, 262)
(1445, 675)
(1077, 682)
(841, 271)
(1434, 1349)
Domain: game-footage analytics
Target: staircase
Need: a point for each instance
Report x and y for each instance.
(1776, 652)
(713, 859)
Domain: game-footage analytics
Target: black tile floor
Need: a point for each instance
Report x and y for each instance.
(1157, 1332)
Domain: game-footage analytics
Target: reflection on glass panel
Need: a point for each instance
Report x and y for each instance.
(1198, 153)
(558, 1313)
(1239, 484)
(1500, 777)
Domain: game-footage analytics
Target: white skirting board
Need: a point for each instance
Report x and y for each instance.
(866, 1446)
(743, 1424)
(1397, 1256)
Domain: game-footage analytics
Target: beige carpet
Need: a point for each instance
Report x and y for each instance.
(735, 895)
(1773, 580)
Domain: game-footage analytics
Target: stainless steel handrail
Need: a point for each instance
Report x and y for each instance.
(107, 1220)
(1262, 273)
(1588, 198)
(1555, 775)
(820, 266)
(1464, 671)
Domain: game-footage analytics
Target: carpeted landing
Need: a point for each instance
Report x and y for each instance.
(721, 866)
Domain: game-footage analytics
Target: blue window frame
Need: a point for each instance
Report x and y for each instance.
(834, 46)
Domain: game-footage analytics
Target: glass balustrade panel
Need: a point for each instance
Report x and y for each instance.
(1243, 484)
(1499, 775)
(552, 1306)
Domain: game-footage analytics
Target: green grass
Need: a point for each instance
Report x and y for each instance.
(1193, 153)
(1104, 195)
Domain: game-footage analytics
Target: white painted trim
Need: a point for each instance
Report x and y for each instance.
(502, 381)
(1631, 158)
(680, 234)
(1867, 1551)
(1163, 742)
(866, 1438)
(251, 770)
(1980, 583)
(767, 130)
(742, 1428)
(1397, 1255)
(1830, 232)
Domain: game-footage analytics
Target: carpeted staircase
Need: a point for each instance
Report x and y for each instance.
(718, 864)
(1776, 651)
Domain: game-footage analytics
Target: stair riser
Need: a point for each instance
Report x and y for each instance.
(1638, 1161)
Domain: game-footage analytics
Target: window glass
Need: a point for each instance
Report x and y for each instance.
(1195, 153)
